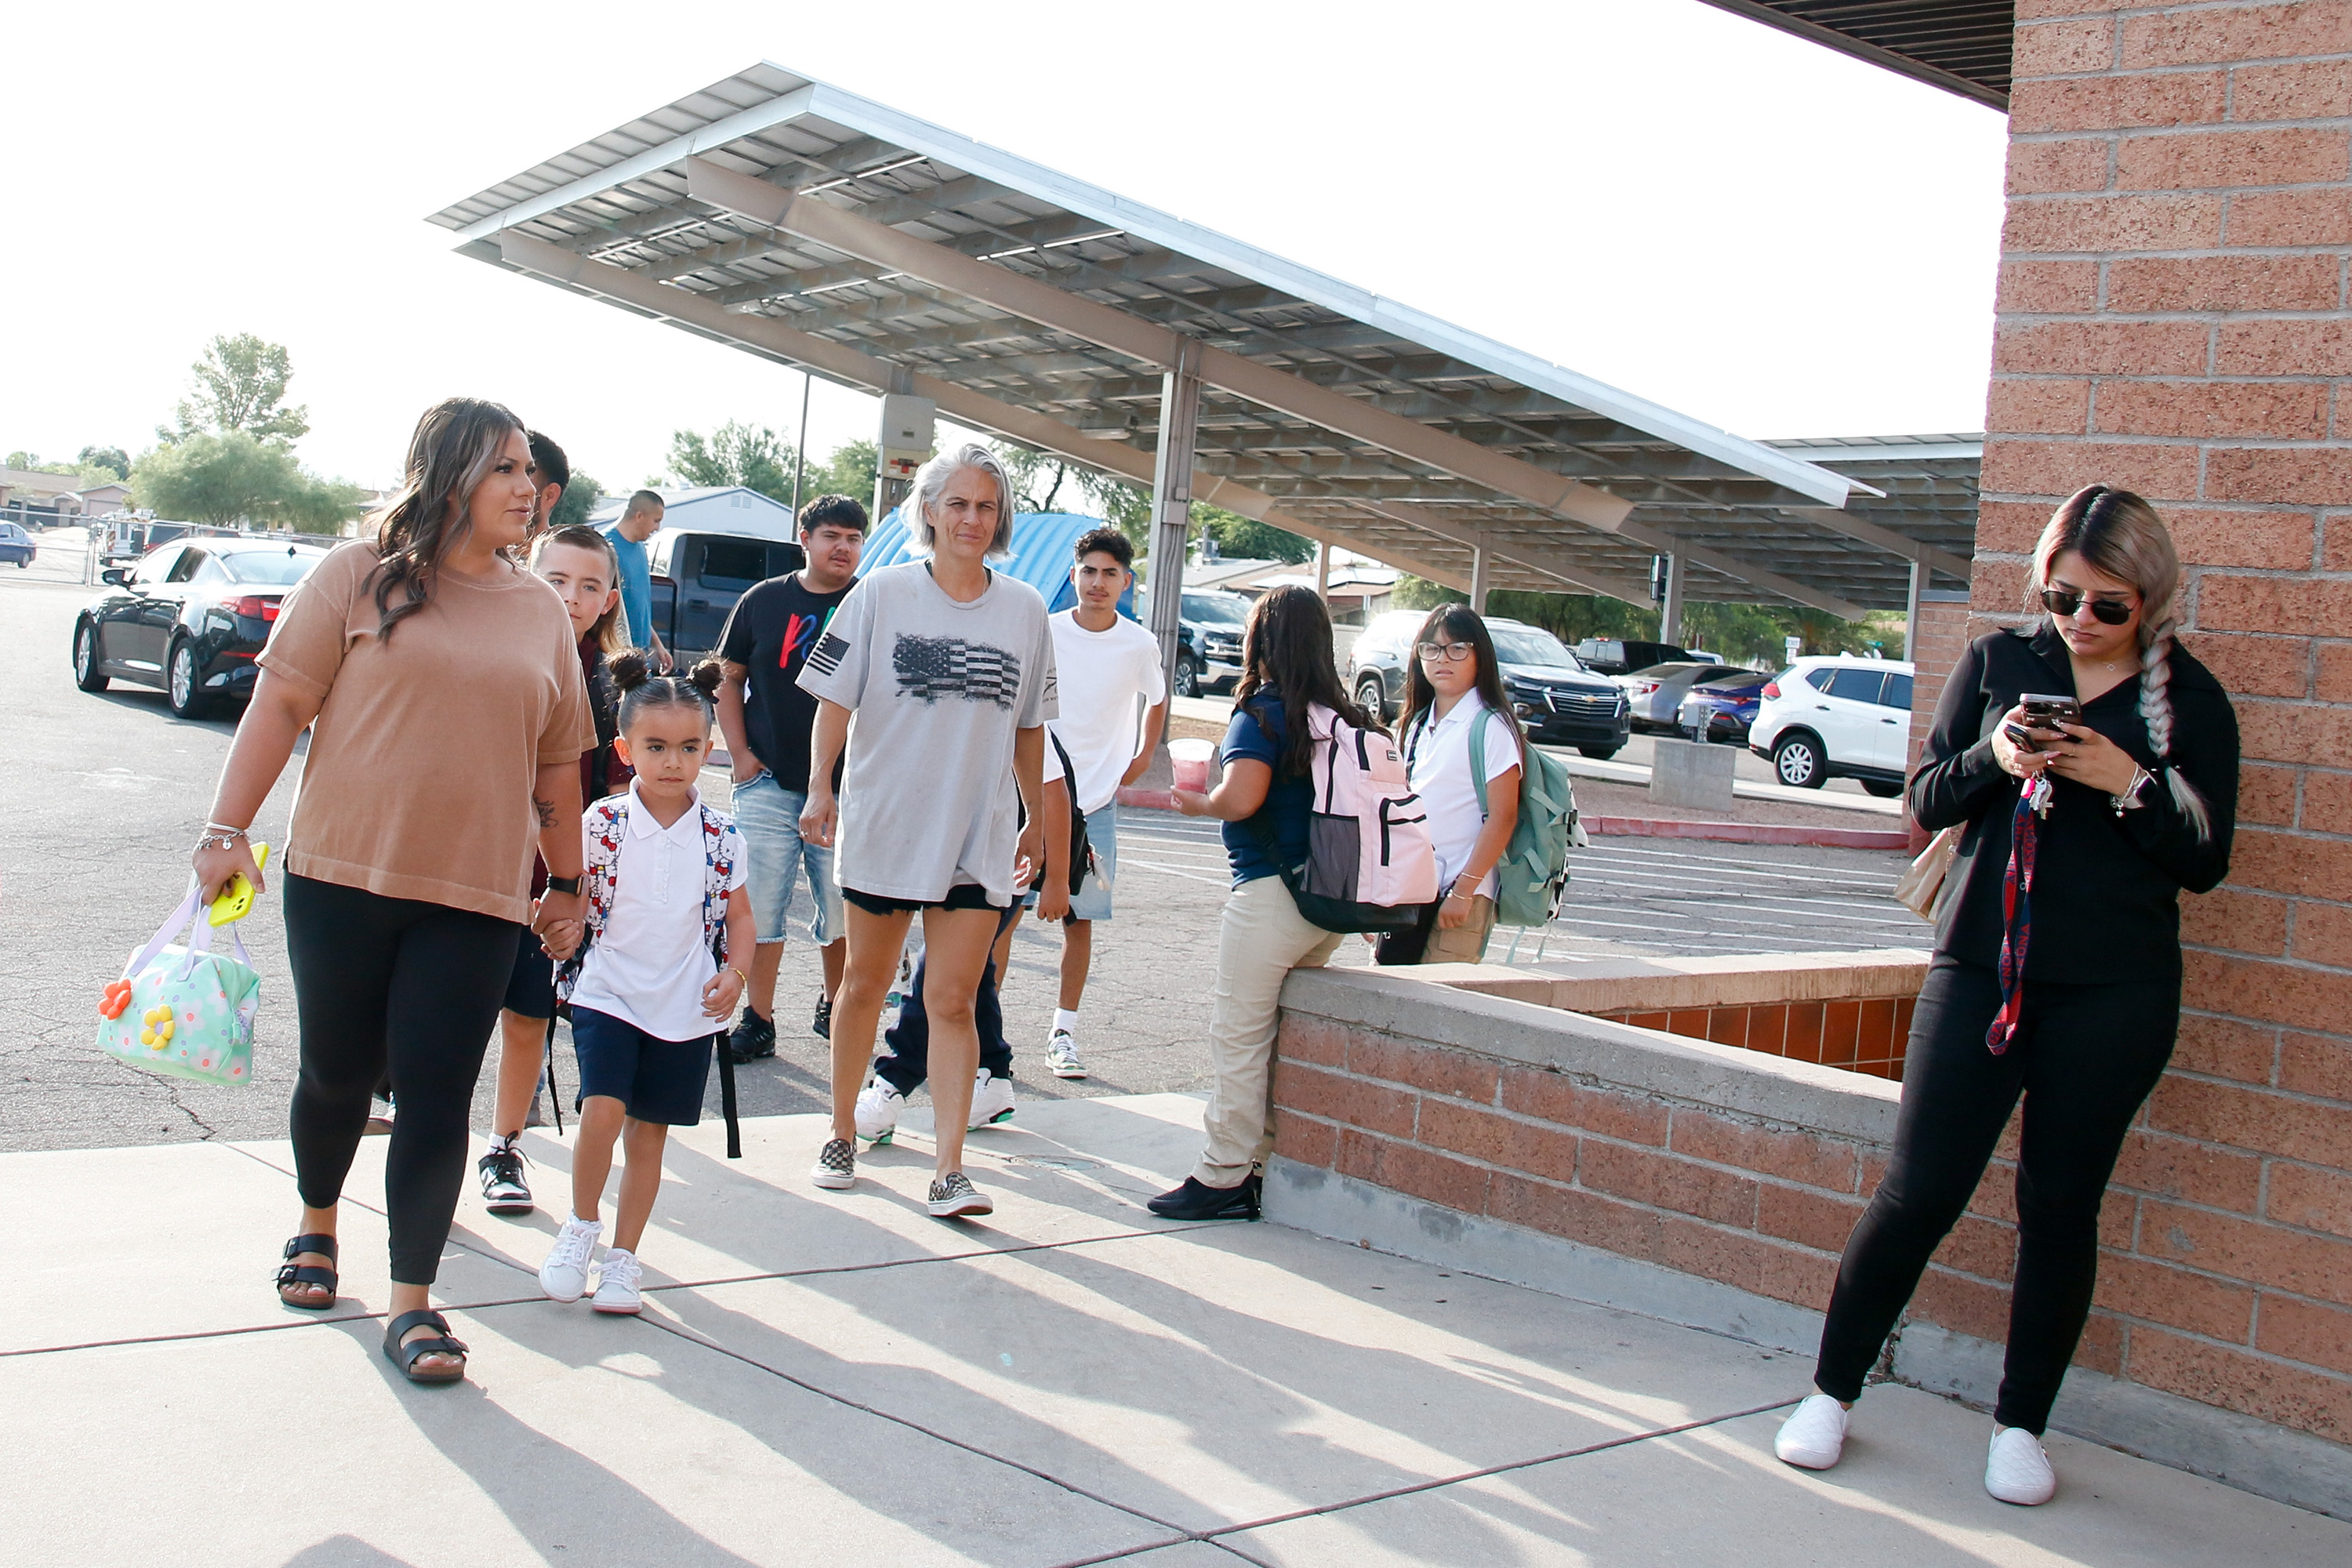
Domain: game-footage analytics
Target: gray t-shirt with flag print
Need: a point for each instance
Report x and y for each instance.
(937, 689)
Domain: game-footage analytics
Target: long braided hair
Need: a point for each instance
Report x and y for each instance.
(2119, 534)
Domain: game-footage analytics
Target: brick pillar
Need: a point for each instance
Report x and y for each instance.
(1934, 645)
(2172, 318)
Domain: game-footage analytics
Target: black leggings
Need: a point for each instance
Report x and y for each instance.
(395, 987)
(2084, 1058)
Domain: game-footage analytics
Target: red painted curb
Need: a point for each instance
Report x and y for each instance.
(1746, 832)
(1147, 799)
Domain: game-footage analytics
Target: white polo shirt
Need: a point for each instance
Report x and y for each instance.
(1437, 760)
(649, 965)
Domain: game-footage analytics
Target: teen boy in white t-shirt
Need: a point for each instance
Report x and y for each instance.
(1113, 703)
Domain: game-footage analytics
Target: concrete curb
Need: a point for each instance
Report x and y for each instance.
(1746, 832)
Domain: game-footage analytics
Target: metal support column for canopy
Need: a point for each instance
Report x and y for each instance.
(1171, 500)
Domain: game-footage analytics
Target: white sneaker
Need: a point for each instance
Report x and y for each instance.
(565, 1275)
(1062, 1055)
(1813, 1436)
(616, 1286)
(992, 1099)
(878, 1105)
(2017, 1471)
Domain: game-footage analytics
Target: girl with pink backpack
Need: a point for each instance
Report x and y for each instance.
(1325, 837)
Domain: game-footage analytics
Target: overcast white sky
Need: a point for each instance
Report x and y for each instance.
(1679, 201)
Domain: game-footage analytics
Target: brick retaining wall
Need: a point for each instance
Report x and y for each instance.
(1749, 1171)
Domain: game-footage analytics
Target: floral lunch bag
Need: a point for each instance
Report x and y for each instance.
(187, 1012)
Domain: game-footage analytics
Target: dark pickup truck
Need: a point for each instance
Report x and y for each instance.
(698, 576)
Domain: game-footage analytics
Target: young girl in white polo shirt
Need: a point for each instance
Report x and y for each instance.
(1455, 703)
(648, 975)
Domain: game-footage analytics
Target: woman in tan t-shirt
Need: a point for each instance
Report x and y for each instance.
(446, 716)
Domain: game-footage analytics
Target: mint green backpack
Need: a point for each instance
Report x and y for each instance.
(1533, 871)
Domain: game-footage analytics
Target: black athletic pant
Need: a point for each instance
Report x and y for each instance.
(2084, 1058)
(398, 988)
(909, 1039)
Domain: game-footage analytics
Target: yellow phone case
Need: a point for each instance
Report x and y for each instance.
(236, 900)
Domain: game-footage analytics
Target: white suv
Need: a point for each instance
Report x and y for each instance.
(1831, 717)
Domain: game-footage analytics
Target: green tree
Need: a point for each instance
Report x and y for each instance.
(240, 385)
(1243, 539)
(115, 459)
(849, 471)
(751, 455)
(580, 498)
(26, 463)
(1570, 618)
(1038, 477)
(240, 478)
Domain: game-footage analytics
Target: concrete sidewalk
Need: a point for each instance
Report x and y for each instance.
(826, 1377)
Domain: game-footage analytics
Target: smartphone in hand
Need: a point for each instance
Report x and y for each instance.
(2046, 712)
(236, 900)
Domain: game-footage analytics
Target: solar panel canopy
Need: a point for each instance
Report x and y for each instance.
(819, 229)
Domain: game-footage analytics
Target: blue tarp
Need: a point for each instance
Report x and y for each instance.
(1042, 543)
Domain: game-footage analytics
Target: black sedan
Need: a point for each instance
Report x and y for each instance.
(189, 618)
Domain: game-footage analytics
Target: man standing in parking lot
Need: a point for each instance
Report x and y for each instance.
(767, 719)
(1110, 672)
(639, 519)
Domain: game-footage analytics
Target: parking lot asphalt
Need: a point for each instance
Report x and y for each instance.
(110, 790)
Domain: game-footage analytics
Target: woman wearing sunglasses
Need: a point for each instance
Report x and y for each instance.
(1457, 720)
(2057, 968)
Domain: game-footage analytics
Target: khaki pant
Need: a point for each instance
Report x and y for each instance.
(1260, 937)
(1466, 943)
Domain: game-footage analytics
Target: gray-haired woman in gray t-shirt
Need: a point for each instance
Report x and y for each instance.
(948, 669)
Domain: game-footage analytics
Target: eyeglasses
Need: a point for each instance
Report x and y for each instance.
(1454, 652)
(2062, 603)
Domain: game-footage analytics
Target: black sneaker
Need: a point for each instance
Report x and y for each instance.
(1197, 1200)
(503, 1189)
(821, 1024)
(753, 1038)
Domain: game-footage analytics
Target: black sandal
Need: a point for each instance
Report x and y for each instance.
(292, 1273)
(404, 1356)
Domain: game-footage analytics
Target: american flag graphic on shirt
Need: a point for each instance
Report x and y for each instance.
(931, 667)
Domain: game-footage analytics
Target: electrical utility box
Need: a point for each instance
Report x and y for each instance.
(906, 443)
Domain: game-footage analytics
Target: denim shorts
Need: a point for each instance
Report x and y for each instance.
(769, 816)
(654, 1080)
(1093, 902)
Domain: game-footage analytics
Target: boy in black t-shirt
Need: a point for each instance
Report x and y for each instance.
(767, 719)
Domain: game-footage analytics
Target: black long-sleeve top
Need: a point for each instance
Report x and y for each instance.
(2106, 888)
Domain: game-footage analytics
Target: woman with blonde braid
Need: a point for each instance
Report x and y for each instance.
(2057, 966)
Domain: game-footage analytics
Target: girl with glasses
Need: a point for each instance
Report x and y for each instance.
(2056, 976)
(1458, 727)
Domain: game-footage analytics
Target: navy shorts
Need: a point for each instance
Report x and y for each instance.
(962, 896)
(531, 989)
(654, 1080)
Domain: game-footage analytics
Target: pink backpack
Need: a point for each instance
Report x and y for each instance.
(1370, 866)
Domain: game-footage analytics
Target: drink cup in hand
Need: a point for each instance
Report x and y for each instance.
(1190, 761)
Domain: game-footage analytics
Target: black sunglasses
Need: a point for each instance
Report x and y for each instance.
(2060, 602)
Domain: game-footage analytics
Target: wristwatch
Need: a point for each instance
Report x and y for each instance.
(563, 884)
